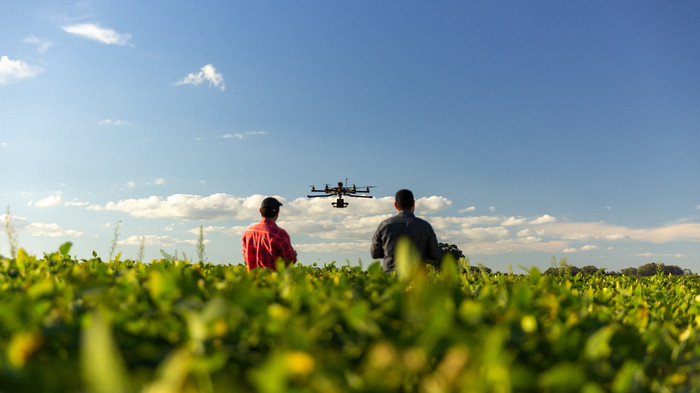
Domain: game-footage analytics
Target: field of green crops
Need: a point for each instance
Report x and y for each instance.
(69, 325)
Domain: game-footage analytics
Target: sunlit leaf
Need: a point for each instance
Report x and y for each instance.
(64, 249)
(102, 367)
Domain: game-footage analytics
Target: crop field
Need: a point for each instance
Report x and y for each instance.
(70, 325)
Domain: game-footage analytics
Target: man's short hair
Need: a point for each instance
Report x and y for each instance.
(270, 207)
(404, 199)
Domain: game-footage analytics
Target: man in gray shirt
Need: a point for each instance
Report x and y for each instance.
(404, 224)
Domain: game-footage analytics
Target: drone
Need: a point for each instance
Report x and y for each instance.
(341, 190)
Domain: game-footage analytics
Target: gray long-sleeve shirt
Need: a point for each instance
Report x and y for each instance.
(405, 223)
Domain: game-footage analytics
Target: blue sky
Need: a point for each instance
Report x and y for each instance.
(526, 131)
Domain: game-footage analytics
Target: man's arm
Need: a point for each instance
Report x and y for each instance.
(433, 252)
(376, 250)
(286, 250)
(244, 247)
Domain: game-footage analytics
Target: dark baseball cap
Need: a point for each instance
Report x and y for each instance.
(270, 203)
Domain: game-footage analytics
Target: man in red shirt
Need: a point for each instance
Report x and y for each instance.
(264, 243)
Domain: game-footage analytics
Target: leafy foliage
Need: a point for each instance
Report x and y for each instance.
(71, 325)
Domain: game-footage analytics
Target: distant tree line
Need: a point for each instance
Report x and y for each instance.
(650, 269)
(563, 268)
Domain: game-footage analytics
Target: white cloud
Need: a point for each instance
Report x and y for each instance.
(468, 209)
(49, 201)
(586, 231)
(513, 245)
(22, 224)
(649, 254)
(427, 205)
(528, 235)
(492, 209)
(570, 250)
(51, 230)
(589, 247)
(343, 228)
(4, 145)
(95, 32)
(336, 247)
(130, 184)
(189, 207)
(207, 229)
(108, 122)
(235, 231)
(510, 221)
(57, 200)
(14, 70)
(157, 240)
(243, 135)
(159, 182)
(543, 220)
(486, 234)
(42, 45)
(206, 74)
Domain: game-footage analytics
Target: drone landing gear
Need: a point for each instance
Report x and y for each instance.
(340, 203)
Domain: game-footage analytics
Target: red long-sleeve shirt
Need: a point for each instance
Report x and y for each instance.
(264, 243)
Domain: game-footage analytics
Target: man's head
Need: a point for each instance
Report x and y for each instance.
(270, 207)
(404, 200)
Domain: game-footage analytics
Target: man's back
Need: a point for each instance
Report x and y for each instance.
(264, 243)
(404, 224)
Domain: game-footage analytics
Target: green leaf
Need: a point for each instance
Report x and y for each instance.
(65, 248)
(375, 269)
(629, 378)
(407, 259)
(22, 259)
(598, 345)
(535, 275)
(563, 377)
(448, 269)
(102, 367)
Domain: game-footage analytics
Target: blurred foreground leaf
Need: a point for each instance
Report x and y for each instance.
(102, 366)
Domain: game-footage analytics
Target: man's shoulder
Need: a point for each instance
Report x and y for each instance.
(422, 220)
(257, 227)
(390, 220)
(415, 220)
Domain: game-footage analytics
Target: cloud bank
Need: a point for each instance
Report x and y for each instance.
(350, 230)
